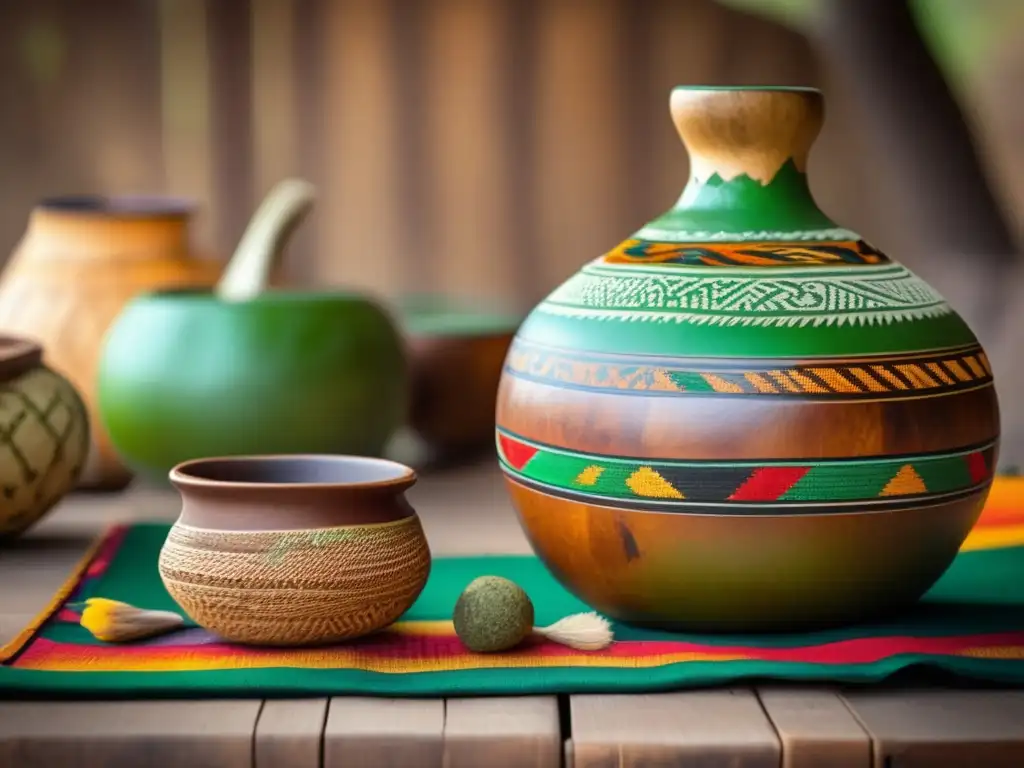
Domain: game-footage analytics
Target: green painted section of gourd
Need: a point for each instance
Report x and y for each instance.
(744, 341)
(746, 312)
(745, 208)
(762, 271)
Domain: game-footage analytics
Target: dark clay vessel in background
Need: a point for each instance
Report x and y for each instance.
(294, 550)
(456, 354)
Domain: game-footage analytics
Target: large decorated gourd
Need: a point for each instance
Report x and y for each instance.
(745, 417)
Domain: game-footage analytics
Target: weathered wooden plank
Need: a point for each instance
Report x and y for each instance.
(501, 732)
(942, 728)
(289, 733)
(815, 728)
(384, 733)
(711, 728)
(194, 734)
(33, 568)
(11, 624)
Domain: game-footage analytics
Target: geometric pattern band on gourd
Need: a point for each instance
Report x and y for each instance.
(778, 254)
(874, 294)
(927, 374)
(751, 482)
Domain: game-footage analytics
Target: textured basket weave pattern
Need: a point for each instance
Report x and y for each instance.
(44, 441)
(296, 587)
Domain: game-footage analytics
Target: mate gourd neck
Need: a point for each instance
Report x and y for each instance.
(748, 151)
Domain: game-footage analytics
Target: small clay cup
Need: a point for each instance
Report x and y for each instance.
(456, 354)
(294, 550)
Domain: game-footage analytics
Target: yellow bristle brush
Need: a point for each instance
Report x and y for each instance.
(115, 622)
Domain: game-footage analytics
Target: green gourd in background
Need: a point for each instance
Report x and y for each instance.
(242, 370)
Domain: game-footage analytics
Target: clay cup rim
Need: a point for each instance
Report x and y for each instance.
(292, 472)
(747, 88)
(18, 354)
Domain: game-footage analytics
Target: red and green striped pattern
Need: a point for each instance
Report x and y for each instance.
(846, 480)
(973, 626)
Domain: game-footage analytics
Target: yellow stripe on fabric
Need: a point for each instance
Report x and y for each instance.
(1007, 492)
(432, 628)
(995, 537)
(361, 662)
(995, 652)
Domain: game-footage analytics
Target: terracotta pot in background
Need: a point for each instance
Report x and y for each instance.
(80, 260)
(44, 436)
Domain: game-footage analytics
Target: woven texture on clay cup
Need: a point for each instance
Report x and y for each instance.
(299, 580)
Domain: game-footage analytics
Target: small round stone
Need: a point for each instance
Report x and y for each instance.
(493, 614)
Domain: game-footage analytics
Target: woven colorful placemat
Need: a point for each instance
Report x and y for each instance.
(970, 624)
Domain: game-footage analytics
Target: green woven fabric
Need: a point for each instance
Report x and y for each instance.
(979, 604)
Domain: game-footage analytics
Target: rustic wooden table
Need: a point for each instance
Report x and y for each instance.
(466, 511)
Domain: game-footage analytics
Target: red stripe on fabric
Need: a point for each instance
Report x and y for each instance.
(768, 483)
(108, 550)
(857, 651)
(517, 454)
(996, 517)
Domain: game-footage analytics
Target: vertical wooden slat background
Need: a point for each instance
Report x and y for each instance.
(79, 103)
(465, 133)
(183, 82)
(482, 148)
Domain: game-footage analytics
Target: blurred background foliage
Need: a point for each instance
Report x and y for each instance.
(963, 35)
